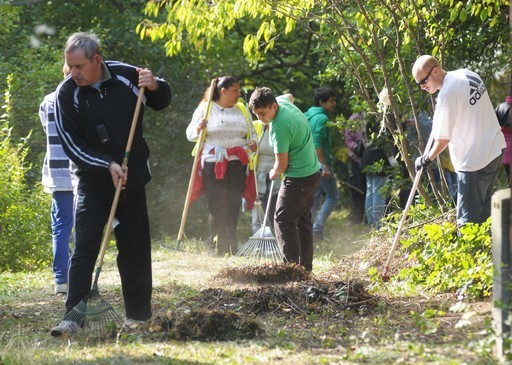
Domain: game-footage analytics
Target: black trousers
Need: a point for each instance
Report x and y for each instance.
(224, 202)
(134, 249)
(358, 180)
(292, 225)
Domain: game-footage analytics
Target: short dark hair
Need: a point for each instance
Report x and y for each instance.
(262, 97)
(88, 42)
(323, 94)
(224, 82)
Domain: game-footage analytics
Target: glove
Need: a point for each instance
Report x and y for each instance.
(221, 154)
(359, 148)
(392, 161)
(422, 162)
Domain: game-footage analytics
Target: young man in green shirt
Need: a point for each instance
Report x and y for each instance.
(325, 101)
(291, 139)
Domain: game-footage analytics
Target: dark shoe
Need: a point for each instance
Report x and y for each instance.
(65, 328)
(355, 219)
(320, 236)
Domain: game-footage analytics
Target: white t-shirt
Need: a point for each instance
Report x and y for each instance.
(464, 115)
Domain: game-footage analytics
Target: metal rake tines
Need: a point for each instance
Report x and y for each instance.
(261, 249)
(95, 315)
(77, 314)
(105, 320)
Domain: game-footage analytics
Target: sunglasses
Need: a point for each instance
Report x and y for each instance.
(425, 80)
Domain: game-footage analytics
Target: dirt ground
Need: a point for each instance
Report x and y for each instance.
(335, 309)
(337, 314)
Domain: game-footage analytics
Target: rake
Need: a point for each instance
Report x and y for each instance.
(257, 203)
(93, 312)
(262, 246)
(396, 239)
(198, 148)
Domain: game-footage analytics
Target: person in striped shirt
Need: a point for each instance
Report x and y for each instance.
(56, 180)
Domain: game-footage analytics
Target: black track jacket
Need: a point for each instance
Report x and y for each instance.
(94, 125)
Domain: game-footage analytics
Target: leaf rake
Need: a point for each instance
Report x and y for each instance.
(198, 148)
(93, 312)
(262, 246)
(257, 203)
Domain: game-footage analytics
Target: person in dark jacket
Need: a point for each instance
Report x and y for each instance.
(94, 109)
(353, 140)
(505, 119)
(375, 164)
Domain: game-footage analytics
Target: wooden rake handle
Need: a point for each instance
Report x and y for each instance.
(199, 146)
(108, 228)
(417, 179)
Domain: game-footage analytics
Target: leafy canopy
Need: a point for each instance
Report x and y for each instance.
(199, 23)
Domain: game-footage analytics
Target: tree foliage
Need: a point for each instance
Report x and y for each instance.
(291, 46)
(374, 42)
(24, 212)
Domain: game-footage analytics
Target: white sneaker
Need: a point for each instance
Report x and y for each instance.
(65, 328)
(133, 323)
(61, 288)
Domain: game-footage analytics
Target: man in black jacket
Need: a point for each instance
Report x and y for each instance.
(94, 109)
(505, 119)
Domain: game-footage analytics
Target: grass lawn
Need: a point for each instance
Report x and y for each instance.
(319, 320)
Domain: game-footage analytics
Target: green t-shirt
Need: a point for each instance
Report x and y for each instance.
(290, 132)
(318, 119)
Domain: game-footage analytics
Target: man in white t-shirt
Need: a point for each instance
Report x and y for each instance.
(465, 121)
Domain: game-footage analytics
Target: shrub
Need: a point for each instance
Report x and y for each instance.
(448, 262)
(25, 238)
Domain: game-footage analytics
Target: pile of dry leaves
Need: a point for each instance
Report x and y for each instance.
(219, 314)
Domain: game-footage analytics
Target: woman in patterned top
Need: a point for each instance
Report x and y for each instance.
(229, 137)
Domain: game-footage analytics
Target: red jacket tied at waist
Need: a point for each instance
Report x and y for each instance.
(220, 171)
(222, 166)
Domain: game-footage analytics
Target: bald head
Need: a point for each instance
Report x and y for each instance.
(424, 63)
(428, 73)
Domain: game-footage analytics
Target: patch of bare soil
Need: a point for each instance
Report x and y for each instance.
(332, 310)
(340, 310)
(299, 298)
(269, 273)
(218, 314)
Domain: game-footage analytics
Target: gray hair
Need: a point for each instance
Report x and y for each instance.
(88, 42)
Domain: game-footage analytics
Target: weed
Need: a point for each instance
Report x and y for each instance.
(449, 262)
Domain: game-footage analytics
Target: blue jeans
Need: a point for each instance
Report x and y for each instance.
(321, 212)
(62, 224)
(475, 191)
(451, 181)
(375, 203)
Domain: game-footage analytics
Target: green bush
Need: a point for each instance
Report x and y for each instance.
(447, 262)
(25, 237)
